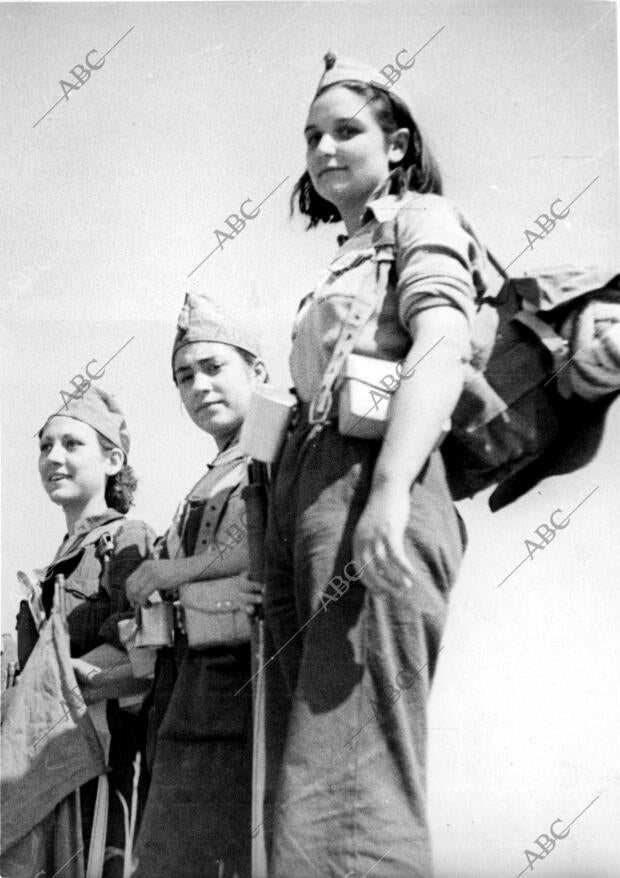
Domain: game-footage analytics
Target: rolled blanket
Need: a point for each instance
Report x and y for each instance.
(594, 337)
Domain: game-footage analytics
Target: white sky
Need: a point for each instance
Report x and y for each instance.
(113, 199)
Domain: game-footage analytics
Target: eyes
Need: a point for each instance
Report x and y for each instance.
(70, 444)
(210, 368)
(341, 131)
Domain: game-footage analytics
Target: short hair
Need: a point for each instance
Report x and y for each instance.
(418, 170)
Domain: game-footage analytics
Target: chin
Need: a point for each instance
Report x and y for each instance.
(58, 498)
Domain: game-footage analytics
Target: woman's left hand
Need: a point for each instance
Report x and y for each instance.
(379, 541)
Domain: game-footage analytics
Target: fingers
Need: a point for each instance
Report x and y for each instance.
(253, 598)
(384, 571)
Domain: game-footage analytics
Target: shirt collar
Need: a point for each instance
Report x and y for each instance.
(87, 524)
(230, 454)
(381, 197)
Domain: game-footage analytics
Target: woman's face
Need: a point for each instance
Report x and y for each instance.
(73, 466)
(215, 384)
(348, 155)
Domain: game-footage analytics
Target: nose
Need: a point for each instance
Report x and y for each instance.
(202, 383)
(326, 145)
(56, 453)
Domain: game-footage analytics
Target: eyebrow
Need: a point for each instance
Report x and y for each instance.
(63, 437)
(337, 121)
(203, 361)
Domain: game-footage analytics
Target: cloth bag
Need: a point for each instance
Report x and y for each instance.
(212, 614)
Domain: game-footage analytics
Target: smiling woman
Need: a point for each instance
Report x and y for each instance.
(84, 470)
(382, 507)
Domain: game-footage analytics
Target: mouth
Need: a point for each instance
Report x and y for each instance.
(330, 170)
(58, 477)
(206, 406)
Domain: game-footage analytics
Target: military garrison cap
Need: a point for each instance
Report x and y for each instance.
(100, 411)
(201, 320)
(348, 70)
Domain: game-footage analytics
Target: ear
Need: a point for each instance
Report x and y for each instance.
(399, 142)
(115, 461)
(259, 372)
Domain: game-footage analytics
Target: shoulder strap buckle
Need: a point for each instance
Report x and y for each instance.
(320, 406)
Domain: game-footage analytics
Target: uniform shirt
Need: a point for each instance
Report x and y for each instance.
(439, 260)
(211, 519)
(94, 602)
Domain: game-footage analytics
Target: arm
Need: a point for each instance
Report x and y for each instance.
(166, 575)
(420, 407)
(132, 544)
(226, 555)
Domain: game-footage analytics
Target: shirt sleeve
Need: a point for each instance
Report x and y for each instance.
(439, 259)
(132, 545)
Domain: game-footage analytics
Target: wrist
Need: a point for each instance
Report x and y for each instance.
(386, 485)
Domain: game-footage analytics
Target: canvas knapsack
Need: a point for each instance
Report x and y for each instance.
(512, 426)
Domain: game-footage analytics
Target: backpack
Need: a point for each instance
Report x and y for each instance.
(512, 425)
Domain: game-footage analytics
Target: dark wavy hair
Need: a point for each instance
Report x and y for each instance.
(120, 488)
(417, 171)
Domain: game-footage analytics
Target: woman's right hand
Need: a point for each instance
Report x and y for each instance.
(151, 576)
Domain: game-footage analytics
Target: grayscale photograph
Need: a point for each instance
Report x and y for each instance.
(310, 439)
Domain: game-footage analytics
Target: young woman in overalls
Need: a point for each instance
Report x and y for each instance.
(197, 821)
(83, 466)
(364, 543)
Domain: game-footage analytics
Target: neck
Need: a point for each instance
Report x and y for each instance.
(77, 513)
(351, 216)
(352, 212)
(224, 442)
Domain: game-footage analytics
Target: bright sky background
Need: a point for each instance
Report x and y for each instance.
(113, 199)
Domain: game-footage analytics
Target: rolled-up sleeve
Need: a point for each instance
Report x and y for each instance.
(439, 259)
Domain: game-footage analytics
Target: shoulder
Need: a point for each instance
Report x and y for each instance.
(415, 212)
(419, 212)
(133, 532)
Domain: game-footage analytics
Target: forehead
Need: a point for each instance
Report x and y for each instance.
(60, 426)
(191, 354)
(340, 102)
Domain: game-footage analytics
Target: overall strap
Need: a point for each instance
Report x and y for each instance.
(360, 311)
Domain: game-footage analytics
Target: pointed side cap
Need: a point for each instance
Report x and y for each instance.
(342, 69)
(202, 320)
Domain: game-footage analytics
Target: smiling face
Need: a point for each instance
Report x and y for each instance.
(215, 384)
(74, 468)
(348, 155)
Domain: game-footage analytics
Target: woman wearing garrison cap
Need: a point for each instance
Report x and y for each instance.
(364, 543)
(198, 813)
(83, 466)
